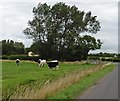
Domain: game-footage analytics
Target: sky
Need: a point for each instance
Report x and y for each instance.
(14, 15)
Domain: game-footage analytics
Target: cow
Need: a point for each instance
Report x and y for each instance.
(17, 61)
(53, 64)
(41, 62)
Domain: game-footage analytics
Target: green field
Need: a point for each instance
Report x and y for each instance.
(28, 77)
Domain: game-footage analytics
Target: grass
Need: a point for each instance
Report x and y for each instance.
(30, 81)
(72, 91)
(29, 75)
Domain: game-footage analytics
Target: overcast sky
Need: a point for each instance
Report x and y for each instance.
(15, 14)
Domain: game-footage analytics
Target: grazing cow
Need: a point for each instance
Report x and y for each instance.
(17, 61)
(41, 62)
(53, 64)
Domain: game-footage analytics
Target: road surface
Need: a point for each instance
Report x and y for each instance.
(106, 88)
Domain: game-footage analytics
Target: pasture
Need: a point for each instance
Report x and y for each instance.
(28, 77)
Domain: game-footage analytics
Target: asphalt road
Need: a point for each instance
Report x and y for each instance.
(106, 88)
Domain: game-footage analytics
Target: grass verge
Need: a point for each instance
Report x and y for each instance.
(76, 89)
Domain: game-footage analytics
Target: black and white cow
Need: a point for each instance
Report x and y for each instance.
(53, 64)
(41, 62)
(17, 61)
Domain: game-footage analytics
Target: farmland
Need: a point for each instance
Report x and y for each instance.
(20, 81)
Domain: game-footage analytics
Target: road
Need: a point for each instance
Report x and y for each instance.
(106, 88)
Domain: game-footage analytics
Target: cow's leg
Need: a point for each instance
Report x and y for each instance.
(57, 66)
(39, 65)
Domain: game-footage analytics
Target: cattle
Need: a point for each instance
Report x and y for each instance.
(41, 62)
(17, 61)
(53, 64)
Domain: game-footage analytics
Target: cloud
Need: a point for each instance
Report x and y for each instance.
(14, 16)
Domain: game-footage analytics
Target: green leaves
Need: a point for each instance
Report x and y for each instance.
(10, 47)
(59, 27)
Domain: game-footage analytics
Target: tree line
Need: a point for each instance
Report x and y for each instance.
(57, 32)
(9, 47)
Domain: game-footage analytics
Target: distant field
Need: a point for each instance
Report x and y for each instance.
(15, 79)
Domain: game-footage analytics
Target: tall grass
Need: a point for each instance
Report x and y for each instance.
(50, 88)
(75, 90)
(29, 77)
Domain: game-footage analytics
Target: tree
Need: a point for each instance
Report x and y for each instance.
(56, 31)
(10, 47)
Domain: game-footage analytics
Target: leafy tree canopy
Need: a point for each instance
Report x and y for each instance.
(56, 31)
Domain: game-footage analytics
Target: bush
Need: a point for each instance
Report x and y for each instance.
(3, 57)
(103, 59)
(93, 57)
(116, 60)
(21, 57)
(111, 59)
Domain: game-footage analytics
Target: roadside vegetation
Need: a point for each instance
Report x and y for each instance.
(29, 81)
(73, 91)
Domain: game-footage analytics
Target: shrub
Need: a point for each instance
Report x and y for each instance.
(111, 59)
(93, 57)
(21, 57)
(116, 60)
(3, 57)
